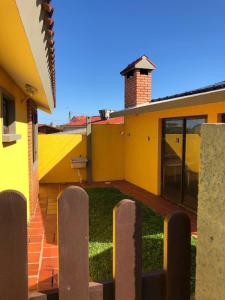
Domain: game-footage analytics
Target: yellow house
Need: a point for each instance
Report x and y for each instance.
(27, 82)
(162, 136)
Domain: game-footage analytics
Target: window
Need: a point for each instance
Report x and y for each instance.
(8, 115)
(34, 134)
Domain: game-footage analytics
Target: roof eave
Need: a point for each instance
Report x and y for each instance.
(42, 47)
(203, 98)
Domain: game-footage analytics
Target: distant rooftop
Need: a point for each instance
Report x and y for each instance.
(82, 121)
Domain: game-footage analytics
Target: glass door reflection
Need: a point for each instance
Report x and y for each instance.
(172, 154)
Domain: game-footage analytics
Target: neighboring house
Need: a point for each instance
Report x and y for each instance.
(47, 129)
(78, 124)
(27, 82)
(111, 121)
(162, 136)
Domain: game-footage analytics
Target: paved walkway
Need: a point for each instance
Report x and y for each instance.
(42, 232)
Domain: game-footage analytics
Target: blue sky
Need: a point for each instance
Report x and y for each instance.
(96, 39)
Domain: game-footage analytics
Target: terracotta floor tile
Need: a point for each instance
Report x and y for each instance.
(33, 269)
(36, 225)
(35, 231)
(33, 258)
(33, 283)
(50, 237)
(34, 247)
(47, 244)
(50, 252)
(35, 238)
(46, 275)
(38, 218)
(49, 263)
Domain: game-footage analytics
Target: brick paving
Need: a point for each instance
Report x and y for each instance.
(42, 231)
(156, 203)
(35, 246)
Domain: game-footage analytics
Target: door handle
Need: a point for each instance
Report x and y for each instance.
(177, 140)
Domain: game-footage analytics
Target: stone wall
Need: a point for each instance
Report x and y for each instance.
(210, 278)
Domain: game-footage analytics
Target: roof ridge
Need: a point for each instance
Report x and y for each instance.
(133, 64)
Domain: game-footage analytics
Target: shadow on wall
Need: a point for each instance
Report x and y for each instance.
(62, 171)
(55, 154)
(57, 150)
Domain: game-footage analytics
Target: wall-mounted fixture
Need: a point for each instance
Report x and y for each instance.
(79, 163)
(30, 90)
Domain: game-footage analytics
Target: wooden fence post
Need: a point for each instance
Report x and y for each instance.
(13, 246)
(127, 250)
(73, 229)
(153, 285)
(177, 256)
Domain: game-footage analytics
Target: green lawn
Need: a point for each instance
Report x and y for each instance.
(102, 201)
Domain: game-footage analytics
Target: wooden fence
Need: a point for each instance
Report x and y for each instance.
(172, 283)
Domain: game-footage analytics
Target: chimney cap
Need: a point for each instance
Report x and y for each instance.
(142, 62)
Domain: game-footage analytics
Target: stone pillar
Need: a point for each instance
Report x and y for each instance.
(210, 277)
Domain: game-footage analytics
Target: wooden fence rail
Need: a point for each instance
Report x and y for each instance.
(171, 283)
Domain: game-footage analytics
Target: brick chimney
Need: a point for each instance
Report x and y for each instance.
(138, 82)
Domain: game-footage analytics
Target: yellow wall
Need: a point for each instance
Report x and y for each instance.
(55, 154)
(57, 150)
(107, 152)
(142, 156)
(14, 157)
(131, 151)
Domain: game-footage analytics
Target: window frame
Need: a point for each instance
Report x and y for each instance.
(9, 130)
(34, 121)
(221, 118)
(10, 117)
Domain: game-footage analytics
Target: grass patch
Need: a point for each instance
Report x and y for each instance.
(102, 201)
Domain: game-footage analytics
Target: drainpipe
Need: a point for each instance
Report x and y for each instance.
(89, 150)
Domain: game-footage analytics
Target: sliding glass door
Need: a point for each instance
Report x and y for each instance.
(180, 159)
(172, 159)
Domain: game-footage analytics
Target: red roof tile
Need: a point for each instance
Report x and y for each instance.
(117, 120)
(82, 121)
(47, 12)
